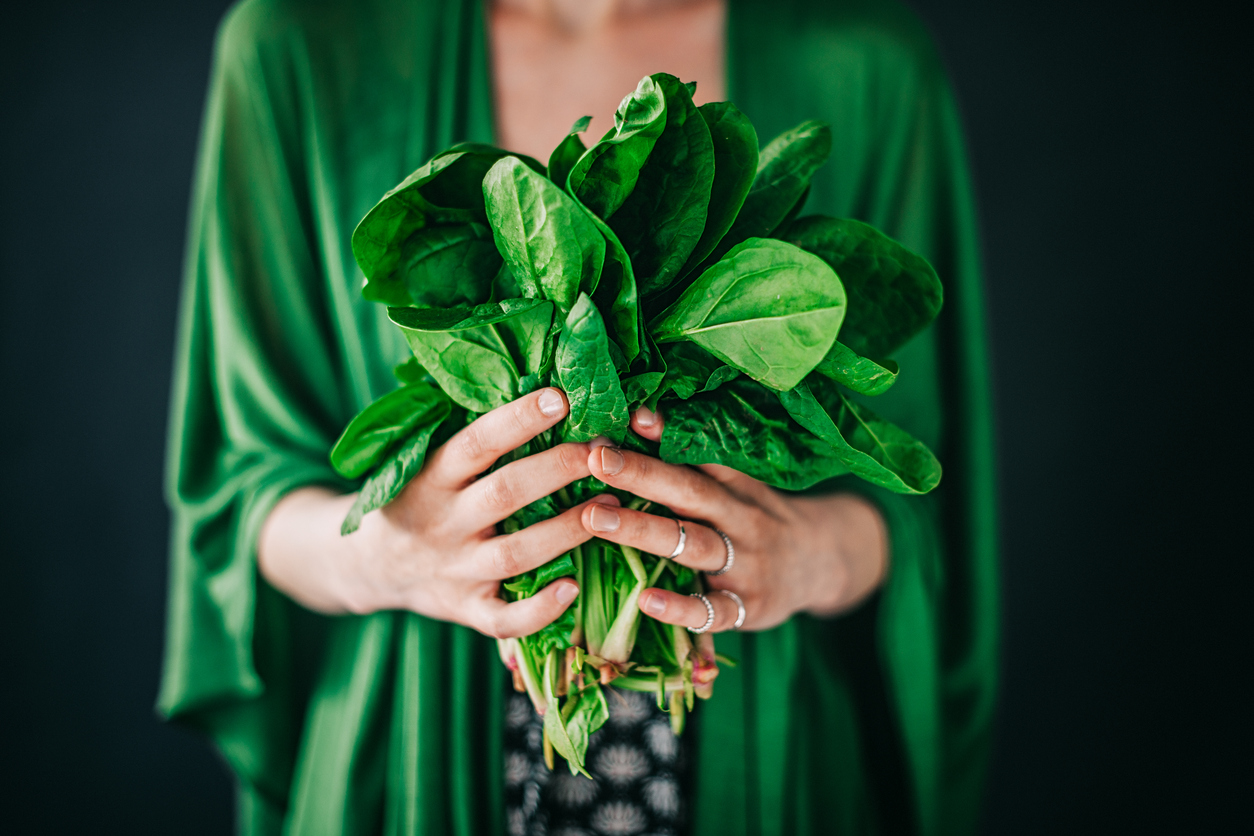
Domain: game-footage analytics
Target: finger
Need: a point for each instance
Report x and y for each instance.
(513, 554)
(703, 548)
(519, 483)
(687, 611)
(647, 424)
(522, 618)
(688, 492)
(473, 450)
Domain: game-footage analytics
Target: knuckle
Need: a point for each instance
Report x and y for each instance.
(471, 444)
(504, 558)
(495, 626)
(498, 493)
(572, 458)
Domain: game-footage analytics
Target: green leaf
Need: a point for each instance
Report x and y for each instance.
(379, 427)
(879, 452)
(768, 308)
(479, 355)
(585, 371)
(589, 714)
(554, 251)
(662, 219)
(603, 178)
(893, 293)
(443, 266)
(861, 374)
(785, 167)
(411, 371)
(690, 369)
(742, 425)
(616, 295)
(529, 583)
(735, 165)
(398, 468)
(445, 190)
(567, 153)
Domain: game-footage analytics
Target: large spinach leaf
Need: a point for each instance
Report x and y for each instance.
(742, 425)
(585, 371)
(691, 369)
(768, 308)
(735, 165)
(445, 190)
(480, 355)
(893, 293)
(398, 468)
(379, 427)
(448, 265)
(604, 176)
(878, 451)
(616, 295)
(662, 219)
(785, 167)
(553, 250)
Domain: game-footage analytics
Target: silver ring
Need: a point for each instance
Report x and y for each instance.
(709, 608)
(731, 555)
(740, 607)
(683, 541)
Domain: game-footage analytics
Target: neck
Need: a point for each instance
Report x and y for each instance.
(582, 16)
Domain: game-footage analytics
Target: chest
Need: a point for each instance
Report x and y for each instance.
(544, 78)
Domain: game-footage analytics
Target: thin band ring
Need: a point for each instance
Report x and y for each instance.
(731, 555)
(683, 541)
(709, 609)
(740, 607)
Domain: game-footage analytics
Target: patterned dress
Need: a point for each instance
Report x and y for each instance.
(639, 768)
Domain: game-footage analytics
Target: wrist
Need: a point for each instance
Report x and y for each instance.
(852, 548)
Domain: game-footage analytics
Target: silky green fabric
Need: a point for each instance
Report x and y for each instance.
(872, 723)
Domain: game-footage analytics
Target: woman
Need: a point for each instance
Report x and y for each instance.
(391, 717)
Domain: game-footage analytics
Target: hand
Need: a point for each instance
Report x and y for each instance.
(434, 550)
(793, 554)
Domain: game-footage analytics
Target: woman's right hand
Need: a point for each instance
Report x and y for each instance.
(434, 550)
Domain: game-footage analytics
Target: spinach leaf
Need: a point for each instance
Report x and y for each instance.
(529, 583)
(567, 153)
(742, 425)
(880, 452)
(380, 426)
(604, 176)
(616, 295)
(845, 366)
(785, 167)
(586, 373)
(445, 190)
(554, 251)
(411, 371)
(735, 164)
(399, 467)
(691, 369)
(768, 308)
(589, 714)
(479, 355)
(662, 219)
(893, 293)
(450, 265)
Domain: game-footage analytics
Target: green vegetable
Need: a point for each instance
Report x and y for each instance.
(666, 266)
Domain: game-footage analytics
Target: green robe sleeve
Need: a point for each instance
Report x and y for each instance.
(257, 398)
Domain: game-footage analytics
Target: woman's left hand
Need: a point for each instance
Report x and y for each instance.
(793, 554)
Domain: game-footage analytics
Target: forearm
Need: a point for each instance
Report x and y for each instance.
(301, 553)
(856, 541)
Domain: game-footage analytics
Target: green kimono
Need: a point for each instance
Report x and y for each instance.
(875, 722)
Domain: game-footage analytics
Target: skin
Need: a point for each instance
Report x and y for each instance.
(435, 550)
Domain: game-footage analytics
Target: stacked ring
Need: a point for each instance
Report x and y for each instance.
(740, 607)
(731, 555)
(709, 609)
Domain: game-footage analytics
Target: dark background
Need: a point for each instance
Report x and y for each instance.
(1112, 159)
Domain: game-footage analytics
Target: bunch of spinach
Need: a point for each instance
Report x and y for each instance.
(664, 266)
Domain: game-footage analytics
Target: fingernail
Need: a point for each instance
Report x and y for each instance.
(551, 402)
(606, 499)
(653, 605)
(646, 417)
(566, 592)
(611, 460)
(600, 441)
(603, 518)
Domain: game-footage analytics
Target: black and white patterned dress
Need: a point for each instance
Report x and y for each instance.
(639, 768)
